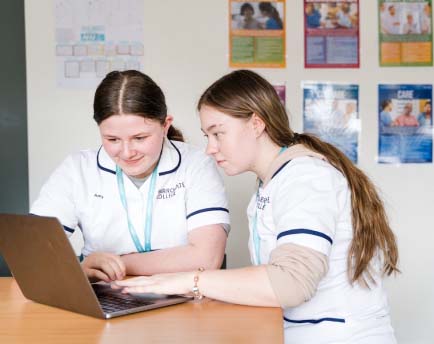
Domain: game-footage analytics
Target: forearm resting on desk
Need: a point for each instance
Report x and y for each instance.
(205, 249)
(246, 286)
(291, 278)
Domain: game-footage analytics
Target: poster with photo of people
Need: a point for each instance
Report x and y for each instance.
(331, 34)
(257, 34)
(405, 33)
(331, 112)
(405, 124)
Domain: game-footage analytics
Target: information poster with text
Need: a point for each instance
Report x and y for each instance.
(331, 34)
(331, 112)
(405, 33)
(405, 124)
(257, 34)
(94, 38)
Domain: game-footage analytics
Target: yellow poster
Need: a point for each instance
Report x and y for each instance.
(405, 34)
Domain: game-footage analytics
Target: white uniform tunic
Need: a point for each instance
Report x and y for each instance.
(83, 192)
(307, 202)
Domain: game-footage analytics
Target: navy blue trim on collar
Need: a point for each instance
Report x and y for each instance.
(314, 321)
(205, 210)
(68, 229)
(100, 166)
(305, 231)
(177, 166)
(160, 173)
(65, 228)
(280, 169)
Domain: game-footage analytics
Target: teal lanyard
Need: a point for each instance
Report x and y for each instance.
(256, 239)
(149, 206)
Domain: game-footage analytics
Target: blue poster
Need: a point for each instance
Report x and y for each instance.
(331, 112)
(404, 124)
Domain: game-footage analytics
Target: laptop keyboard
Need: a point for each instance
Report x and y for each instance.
(118, 302)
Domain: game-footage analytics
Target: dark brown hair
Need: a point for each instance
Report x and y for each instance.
(242, 93)
(246, 6)
(267, 7)
(131, 92)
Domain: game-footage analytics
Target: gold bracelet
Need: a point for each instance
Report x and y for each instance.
(196, 293)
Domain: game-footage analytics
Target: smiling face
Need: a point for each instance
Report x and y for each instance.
(248, 13)
(231, 141)
(133, 142)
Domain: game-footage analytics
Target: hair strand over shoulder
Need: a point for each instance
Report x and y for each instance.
(242, 93)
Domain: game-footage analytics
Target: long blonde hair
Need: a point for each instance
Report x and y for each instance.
(242, 93)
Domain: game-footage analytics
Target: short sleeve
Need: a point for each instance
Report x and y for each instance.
(56, 197)
(306, 207)
(206, 200)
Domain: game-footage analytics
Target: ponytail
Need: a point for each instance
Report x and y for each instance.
(240, 94)
(371, 230)
(175, 134)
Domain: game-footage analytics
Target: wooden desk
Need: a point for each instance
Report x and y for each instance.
(208, 321)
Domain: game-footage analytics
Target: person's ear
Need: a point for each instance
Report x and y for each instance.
(167, 123)
(257, 124)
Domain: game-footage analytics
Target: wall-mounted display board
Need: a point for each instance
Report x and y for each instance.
(405, 124)
(331, 34)
(331, 112)
(405, 33)
(257, 34)
(94, 38)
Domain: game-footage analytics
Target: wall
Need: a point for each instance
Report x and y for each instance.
(186, 49)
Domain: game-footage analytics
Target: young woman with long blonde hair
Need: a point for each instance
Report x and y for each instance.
(320, 241)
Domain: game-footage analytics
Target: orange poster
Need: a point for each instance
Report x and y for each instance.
(257, 34)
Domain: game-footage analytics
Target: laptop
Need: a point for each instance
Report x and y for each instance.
(47, 271)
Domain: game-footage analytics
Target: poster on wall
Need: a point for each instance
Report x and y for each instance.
(281, 92)
(331, 34)
(96, 37)
(405, 124)
(257, 34)
(405, 33)
(331, 112)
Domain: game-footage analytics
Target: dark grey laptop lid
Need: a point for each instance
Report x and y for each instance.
(44, 264)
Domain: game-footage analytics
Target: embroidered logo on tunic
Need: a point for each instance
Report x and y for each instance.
(170, 192)
(98, 196)
(262, 201)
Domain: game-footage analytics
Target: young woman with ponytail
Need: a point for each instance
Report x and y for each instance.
(274, 22)
(145, 201)
(320, 242)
